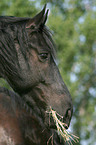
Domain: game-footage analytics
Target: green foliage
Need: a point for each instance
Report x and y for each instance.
(75, 35)
(73, 24)
(3, 83)
(19, 8)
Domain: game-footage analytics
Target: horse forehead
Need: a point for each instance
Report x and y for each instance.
(38, 42)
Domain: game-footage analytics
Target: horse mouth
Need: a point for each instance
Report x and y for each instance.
(53, 125)
(61, 127)
(56, 120)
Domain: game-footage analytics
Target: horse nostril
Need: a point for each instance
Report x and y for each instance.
(67, 118)
(69, 114)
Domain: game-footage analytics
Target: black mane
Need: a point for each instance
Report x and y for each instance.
(12, 19)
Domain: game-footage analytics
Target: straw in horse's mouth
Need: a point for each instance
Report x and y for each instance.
(61, 130)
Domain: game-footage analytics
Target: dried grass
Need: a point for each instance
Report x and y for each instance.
(61, 130)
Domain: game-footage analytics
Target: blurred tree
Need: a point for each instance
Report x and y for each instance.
(73, 24)
(17, 8)
(74, 28)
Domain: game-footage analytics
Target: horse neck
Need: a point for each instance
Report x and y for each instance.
(35, 105)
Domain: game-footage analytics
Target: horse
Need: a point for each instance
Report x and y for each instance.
(28, 64)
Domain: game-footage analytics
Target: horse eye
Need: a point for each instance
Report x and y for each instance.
(44, 56)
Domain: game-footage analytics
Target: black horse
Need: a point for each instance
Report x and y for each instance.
(27, 62)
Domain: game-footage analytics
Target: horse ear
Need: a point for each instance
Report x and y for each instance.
(38, 20)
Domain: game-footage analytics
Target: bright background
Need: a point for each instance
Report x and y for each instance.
(73, 24)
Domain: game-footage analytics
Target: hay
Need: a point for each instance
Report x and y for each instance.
(67, 137)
